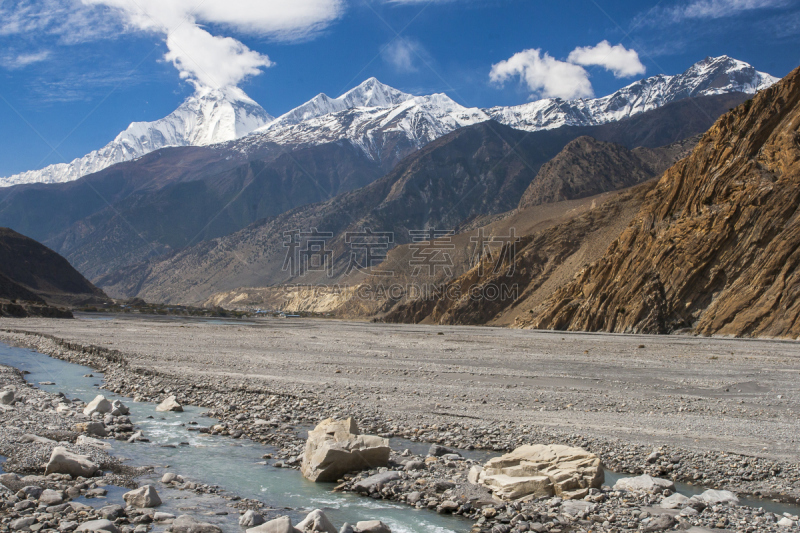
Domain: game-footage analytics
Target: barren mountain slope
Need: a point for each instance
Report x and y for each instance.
(715, 245)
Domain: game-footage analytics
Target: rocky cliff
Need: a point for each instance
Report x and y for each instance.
(715, 246)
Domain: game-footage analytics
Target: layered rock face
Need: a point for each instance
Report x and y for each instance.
(715, 246)
(543, 471)
(335, 447)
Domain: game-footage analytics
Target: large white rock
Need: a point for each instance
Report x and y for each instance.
(713, 497)
(119, 409)
(99, 526)
(543, 470)
(170, 404)
(335, 447)
(143, 497)
(317, 521)
(674, 502)
(279, 525)
(372, 526)
(186, 524)
(98, 405)
(251, 519)
(644, 483)
(66, 462)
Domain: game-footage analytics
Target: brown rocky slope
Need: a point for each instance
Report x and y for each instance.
(715, 246)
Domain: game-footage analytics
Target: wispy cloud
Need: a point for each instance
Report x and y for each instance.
(70, 21)
(403, 54)
(77, 87)
(704, 10)
(18, 61)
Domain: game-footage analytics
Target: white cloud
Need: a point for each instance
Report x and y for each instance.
(187, 25)
(212, 61)
(68, 20)
(622, 62)
(544, 75)
(18, 61)
(704, 10)
(219, 61)
(403, 54)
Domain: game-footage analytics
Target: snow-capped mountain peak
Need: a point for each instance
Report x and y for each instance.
(371, 94)
(209, 116)
(382, 121)
(710, 76)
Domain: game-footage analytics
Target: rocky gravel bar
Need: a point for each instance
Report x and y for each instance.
(718, 413)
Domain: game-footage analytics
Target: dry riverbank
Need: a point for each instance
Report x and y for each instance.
(722, 412)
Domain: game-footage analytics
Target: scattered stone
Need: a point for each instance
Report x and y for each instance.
(51, 497)
(170, 404)
(66, 462)
(143, 497)
(7, 397)
(251, 519)
(186, 524)
(376, 482)
(279, 525)
(660, 523)
(372, 526)
(83, 440)
(105, 526)
(644, 483)
(98, 405)
(316, 521)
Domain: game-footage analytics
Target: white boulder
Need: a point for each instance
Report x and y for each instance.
(98, 405)
(542, 471)
(170, 404)
(279, 525)
(335, 447)
(644, 483)
(316, 521)
(143, 497)
(66, 462)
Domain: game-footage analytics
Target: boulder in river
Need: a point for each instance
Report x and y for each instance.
(98, 405)
(170, 404)
(714, 497)
(119, 409)
(251, 519)
(316, 521)
(644, 483)
(96, 429)
(143, 497)
(279, 525)
(186, 524)
(99, 526)
(66, 462)
(335, 447)
(371, 526)
(542, 471)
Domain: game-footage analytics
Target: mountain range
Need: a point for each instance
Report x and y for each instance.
(386, 124)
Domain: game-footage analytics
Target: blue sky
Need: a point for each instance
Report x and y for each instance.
(74, 73)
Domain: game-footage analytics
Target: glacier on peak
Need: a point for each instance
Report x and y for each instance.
(209, 116)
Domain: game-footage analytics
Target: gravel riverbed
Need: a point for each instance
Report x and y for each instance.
(720, 413)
